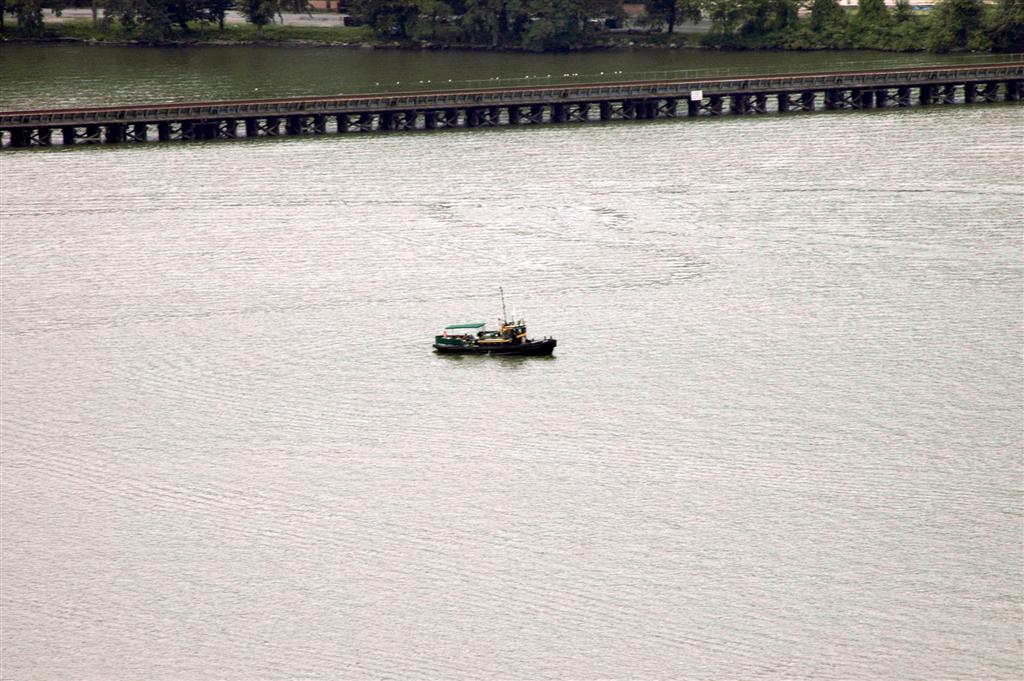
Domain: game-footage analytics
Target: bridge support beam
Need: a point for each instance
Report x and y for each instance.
(21, 137)
(140, 132)
(114, 133)
(1013, 90)
(92, 135)
(861, 99)
(68, 134)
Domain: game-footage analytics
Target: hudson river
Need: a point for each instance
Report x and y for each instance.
(781, 435)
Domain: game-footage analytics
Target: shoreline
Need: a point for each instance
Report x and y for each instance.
(285, 42)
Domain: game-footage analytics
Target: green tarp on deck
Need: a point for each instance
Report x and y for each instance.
(466, 325)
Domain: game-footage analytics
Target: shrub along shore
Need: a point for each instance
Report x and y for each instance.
(546, 25)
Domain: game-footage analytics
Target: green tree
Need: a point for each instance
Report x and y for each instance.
(387, 18)
(725, 16)
(181, 12)
(1006, 26)
(956, 23)
(259, 13)
(28, 15)
(826, 13)
(671, 12)
(431, 13)
(902, 11)
(872, 12)
(215, 10)
(555, 26)
(871, 27)
(150, 20)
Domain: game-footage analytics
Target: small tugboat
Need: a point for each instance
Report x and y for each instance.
(472, 338)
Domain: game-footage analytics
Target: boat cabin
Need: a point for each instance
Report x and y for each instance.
(476, 334)
(460, 334)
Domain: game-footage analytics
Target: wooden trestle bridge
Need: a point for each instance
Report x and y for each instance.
(902, 87)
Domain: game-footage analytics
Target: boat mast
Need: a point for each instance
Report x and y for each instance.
(504, 315)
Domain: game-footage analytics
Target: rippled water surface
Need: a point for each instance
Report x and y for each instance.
(780, 436)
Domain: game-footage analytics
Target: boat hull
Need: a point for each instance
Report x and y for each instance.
(530, 348)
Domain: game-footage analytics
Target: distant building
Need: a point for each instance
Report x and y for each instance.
(341, 6)
(917, 5)
(634, 14)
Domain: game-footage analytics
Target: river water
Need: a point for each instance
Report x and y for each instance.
(780, 437)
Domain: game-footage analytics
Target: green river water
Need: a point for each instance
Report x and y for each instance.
(77, 75)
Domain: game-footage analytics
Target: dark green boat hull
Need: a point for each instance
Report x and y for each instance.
(529, 348)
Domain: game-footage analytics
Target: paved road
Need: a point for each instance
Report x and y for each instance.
(313, 19)
(232, 17)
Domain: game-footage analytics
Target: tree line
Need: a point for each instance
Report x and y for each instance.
(151, 19)
(735, 24)
(545, 25)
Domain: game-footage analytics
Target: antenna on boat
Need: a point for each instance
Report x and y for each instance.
(504, 315)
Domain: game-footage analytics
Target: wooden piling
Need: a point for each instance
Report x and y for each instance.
(20, 137)
(114, 133)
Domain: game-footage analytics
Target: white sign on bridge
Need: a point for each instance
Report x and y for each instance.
(696, 95)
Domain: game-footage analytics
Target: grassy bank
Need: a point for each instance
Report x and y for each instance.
(199, 34)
